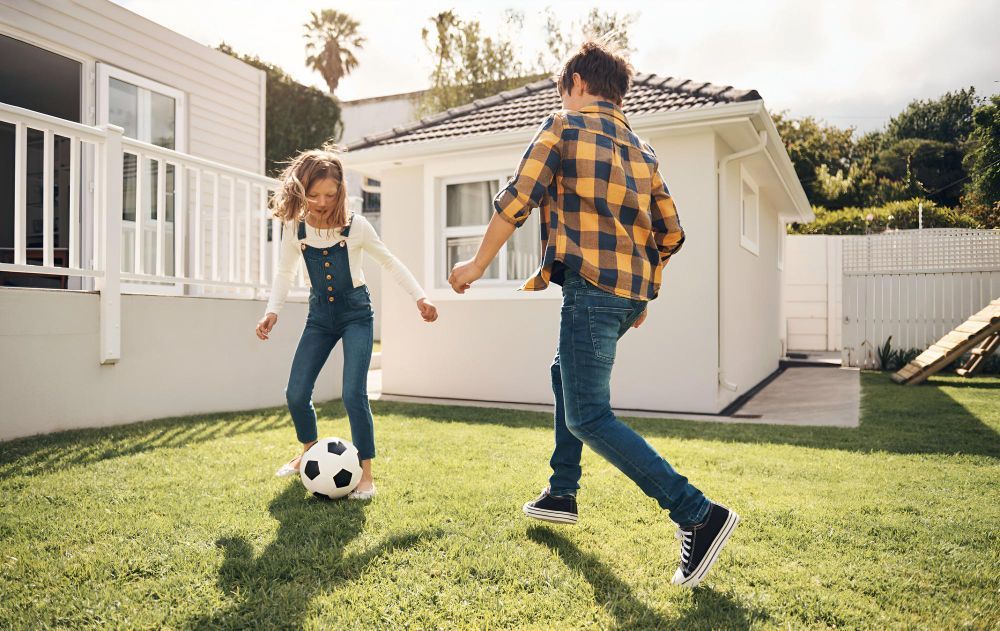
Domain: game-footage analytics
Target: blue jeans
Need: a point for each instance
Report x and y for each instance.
(349, 319)
(591, 324)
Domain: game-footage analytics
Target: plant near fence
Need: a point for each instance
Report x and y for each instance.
(891, 360)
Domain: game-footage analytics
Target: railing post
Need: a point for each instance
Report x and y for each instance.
(112, 160)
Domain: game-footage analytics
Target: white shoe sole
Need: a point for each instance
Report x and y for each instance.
(362, 495)
(286, 471)
(556, 517)
(711, 557)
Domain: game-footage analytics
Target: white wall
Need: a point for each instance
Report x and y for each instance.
(180, 356)
(497, 344)
(370, 116)
(751, 284)
(225, 97)
(813, 289)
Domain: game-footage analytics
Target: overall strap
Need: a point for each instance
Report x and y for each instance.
(302, 230)
(346, 230)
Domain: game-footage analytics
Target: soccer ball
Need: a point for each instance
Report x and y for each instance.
(331, 468)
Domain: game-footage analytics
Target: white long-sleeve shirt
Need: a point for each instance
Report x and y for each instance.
(361, 238)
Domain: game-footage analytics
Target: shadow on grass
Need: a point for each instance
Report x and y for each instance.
(37, 454)
(923, 419)
(305, 559)
(712, 609)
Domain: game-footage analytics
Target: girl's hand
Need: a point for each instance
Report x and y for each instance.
(427, 310)
(266, 324)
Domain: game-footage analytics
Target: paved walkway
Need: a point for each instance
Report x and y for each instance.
(825, 397)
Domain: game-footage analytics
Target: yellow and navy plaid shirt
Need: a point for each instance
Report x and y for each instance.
(605, 211)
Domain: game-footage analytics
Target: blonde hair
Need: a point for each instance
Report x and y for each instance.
(289, 201)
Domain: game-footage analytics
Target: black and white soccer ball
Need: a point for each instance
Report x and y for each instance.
(331, 468)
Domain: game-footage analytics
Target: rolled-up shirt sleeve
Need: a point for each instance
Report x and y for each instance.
(534, 175)
(667, 230)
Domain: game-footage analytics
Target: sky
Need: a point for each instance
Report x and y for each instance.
(847, 62)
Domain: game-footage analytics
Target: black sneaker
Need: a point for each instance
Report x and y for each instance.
(555, 508)
(701, 544)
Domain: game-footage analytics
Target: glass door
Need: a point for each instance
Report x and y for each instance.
(153, 113)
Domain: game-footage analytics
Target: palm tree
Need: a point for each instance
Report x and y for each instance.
(332, 40)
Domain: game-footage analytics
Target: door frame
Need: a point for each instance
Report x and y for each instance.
(106, 72)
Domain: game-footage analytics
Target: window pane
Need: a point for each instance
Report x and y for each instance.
(128, 187)
(464, 248)
(162, 124)
(123, 106)
(524, 249)
(470, 204)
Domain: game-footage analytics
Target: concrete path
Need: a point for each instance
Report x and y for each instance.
(827, 397)
(809, 396)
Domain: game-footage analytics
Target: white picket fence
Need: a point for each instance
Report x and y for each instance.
(913, 285)
(217, 243)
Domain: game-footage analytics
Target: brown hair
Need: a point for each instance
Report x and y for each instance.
(289, 201)
(605, 70)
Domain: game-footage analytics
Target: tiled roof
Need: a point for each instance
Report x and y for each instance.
(525, 107)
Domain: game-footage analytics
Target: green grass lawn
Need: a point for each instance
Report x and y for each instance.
(180, 523)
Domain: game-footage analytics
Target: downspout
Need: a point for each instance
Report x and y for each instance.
(720, 196)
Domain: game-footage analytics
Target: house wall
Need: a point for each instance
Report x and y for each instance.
(496, 344)
(225, 97)
(751, 283)
(180, 356)
(813, 295)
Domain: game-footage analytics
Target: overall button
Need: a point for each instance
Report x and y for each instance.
(326, 264)
(331, 298)
(303, 246)
(329, 277)
(343, 243)
(325, 252)
(329, 288)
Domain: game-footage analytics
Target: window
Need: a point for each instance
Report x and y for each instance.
(371, 196)
(153, 113)
(749, 214)
(468, 209)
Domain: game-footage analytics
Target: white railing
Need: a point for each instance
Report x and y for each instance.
(914, 285)
(216, 243)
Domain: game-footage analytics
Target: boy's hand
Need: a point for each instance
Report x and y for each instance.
(642, 318)
(427, 310)
(464, 274)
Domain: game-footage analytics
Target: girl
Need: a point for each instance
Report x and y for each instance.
(311, 203)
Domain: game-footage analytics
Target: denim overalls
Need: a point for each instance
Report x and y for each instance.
(338, 311)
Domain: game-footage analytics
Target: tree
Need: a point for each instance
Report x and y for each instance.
(982, 161)
(469, 65)
(933, 165)
(945, 119)
(332, 39)
(825, 160)
(298, 117)
(562, 39)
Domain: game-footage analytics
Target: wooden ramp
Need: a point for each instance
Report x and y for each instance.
(979, 335)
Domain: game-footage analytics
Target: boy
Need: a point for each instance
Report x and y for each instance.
(608, 226)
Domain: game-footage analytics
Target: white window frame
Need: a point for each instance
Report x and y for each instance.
(500, 178)
(106, 72)
(749, 244)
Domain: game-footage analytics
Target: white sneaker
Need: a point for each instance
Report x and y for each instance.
(362, 495)
(287, 470)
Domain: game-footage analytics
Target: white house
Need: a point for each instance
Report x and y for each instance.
(135, 248)
(360, 118)
(715, 332)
